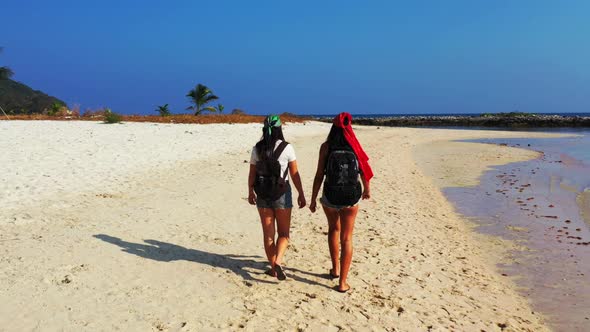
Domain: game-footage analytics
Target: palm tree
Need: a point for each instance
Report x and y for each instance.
(163, 110)
(220, 108)
(201, 96)
(5, 72)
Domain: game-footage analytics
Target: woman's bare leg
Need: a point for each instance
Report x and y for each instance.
(347, 218)
(283, 217)
(333, 238)
(267, 218)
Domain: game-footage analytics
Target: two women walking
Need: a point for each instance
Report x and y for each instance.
(342, 167)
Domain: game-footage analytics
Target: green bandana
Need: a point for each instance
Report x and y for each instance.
(272, 121)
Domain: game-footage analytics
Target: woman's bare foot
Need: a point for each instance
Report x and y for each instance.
(271, 272)
(334, 275)
(343, 289)
(280, 273)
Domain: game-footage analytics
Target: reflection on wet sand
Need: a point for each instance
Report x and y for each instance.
(543, 205)
(583, 201)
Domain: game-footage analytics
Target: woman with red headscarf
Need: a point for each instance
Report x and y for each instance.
(344, 165)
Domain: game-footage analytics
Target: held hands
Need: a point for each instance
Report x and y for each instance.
(301, 201)
(312, 206)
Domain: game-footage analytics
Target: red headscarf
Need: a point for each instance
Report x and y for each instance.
(344, 121)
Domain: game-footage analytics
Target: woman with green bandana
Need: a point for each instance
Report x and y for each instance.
(272, 162)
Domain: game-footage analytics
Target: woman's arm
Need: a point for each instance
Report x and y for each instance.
(294, 172)
(251, 179)
(366, 187)
(319, 176)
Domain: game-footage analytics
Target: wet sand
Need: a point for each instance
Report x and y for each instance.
(583, 200)
(537, 204)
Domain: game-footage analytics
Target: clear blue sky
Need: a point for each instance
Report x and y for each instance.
(305, 56)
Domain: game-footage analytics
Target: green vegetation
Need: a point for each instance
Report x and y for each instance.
(201, 95)
(111, 117)
(5, 72)
(508, 115)
(55, 109)
(163, 110)
(220, 108)
(17, 98)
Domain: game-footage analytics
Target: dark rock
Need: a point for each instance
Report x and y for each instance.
(493, 120)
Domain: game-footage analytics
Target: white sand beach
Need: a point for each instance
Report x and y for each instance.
(142, 226)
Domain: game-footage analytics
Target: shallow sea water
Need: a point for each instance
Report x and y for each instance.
(544, 206)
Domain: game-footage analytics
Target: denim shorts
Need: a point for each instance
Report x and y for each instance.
(283, 202)
(324, 201)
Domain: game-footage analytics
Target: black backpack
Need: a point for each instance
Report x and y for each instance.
(270, 184)
(342, 185)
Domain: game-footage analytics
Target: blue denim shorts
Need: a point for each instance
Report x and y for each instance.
(283, 202)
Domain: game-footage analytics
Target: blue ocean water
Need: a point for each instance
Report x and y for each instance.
(575, 148)
(539, 204)
(578, 147)
(388, 115)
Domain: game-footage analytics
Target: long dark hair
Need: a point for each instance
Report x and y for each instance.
(336, 138)
(267, 143)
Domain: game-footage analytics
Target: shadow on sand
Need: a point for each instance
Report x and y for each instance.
(167, 252)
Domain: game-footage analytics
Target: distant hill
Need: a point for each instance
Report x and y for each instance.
(17, 98)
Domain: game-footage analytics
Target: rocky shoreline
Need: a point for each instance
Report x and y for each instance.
(527, 121)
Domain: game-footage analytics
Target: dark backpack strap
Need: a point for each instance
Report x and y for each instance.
(277, 153)
(279, 150)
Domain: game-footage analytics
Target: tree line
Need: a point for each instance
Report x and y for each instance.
(20, 98)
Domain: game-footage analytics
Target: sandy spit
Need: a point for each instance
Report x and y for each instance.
(146, 227)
